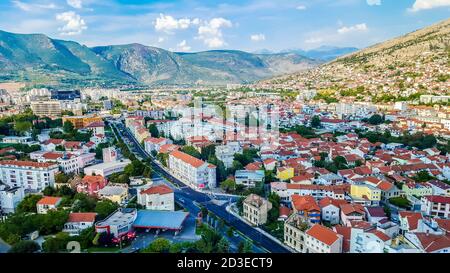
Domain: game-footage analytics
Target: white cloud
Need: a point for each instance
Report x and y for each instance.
(210, 32)
(167, 23)
(429, 4)
(355, 28)
(77, 4)
(301, 7)
(161, 39)
(33, 7)
(183, 46)
(374, 2)
(74, 24)
(258, 37)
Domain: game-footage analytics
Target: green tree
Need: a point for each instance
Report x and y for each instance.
(22, 127)
(228, 185)
(315, 122)
(57, 243)
(160, 245)
(105, 208)
(68, 127)
(28, 204)
(190, 150)
(223, 246)
(25, 247)
(153, 130)
(62, 178)
(375, 119)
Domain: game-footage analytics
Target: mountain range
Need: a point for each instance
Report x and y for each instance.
(323, 53)
(40, 59)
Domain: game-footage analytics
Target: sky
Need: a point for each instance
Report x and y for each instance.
(249, 25)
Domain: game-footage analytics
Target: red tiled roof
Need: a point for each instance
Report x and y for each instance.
(438, 199)
(323, 234)
(159, 189)
(53, 141)
(352, 208)
(330, 201)
(77, 217)
(26, 164)
(49, 200)
(412, 218)
(431, 242)
(304, 203)
(91, 179)
(195, 162)
(380, 235)
(346, 234)
(52, 155)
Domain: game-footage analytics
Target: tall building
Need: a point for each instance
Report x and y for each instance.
(192, 171)
(109, 155)
(46, 108)
(31, 176)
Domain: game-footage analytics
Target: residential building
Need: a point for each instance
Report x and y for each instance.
(159, 197)
(48, 108)
(79, 221)
(294, 232)
(31, 176)
(192, 171)
(47, 203)
(320, 239)
(249, 178)
(117, 193)
(285, 173)
(436, 205)
(417, 189)
(109, 155)
(91, 184)
(367, 239)
(351, 212)
(10, 197)
(256, 209)
(428, 243)
(307, 207)
(330, 210)
(363, 191)
(409, 221)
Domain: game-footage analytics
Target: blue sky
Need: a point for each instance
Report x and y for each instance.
(190, 25)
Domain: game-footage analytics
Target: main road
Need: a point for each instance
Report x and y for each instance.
(188, 193)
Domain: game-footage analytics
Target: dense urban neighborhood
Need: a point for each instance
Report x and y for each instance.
(135, 149)
(126, 171)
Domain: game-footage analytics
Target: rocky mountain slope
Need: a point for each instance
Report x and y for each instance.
(38, 58)
(401, 68)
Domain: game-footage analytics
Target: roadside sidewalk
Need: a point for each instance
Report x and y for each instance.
(233, 212)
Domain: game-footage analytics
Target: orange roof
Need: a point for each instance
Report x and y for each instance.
(195, 162)
(380, 235)
(167, 148)
(352, 208)
(49, 200)
(304, 203)
(26, 164)
(159, 189)
(412, 218)
(52, 155)
(323, 234)
(330, 201)
(385, 186)
(77, 217)
(90, 179)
